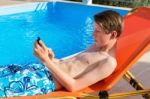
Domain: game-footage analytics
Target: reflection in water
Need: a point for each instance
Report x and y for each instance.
(53, 6)
(87, 35)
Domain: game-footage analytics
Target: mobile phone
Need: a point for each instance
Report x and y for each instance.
(38, 39)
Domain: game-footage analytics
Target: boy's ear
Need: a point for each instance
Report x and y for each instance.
(113, 34)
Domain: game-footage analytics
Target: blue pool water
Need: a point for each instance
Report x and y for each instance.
(64, 27)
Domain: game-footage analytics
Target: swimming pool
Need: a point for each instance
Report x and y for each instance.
(66, 27)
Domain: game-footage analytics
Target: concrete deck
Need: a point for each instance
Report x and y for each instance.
(10, 2)
(140, 70)
(13, 2)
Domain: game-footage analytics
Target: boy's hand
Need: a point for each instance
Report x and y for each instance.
(51, 54)
(41, 51)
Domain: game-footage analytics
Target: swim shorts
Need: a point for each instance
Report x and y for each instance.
(25, 80)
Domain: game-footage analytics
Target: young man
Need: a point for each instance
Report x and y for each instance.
(90, 66)
(75, 73)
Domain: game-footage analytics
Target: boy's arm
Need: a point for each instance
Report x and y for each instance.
(101, 71)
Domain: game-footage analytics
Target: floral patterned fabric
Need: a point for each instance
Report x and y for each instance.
(25, 80)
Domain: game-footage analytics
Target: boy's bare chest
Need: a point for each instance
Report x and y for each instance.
(82, 62)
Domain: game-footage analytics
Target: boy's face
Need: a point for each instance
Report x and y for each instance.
(100, 37)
